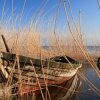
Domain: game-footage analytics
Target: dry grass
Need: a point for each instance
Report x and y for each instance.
(28, 41)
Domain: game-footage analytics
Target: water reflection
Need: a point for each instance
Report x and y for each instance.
(85, 92)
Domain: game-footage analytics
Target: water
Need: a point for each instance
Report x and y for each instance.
(85, 92)
(95, 50)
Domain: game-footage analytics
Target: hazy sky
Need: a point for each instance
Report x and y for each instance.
(90, 12)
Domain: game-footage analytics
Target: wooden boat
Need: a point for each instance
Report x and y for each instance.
(35, 75)
(56, 70)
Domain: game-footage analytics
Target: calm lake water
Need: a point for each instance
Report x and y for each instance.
(85, 92)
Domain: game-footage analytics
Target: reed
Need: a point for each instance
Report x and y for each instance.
(28, 41)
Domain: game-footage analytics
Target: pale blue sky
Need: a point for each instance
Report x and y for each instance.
(90, 13)
(89, 9)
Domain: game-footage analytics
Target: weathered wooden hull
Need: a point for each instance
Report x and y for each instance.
(41, 81)
(63, 91)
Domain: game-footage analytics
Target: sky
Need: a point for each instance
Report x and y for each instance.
(90, 13)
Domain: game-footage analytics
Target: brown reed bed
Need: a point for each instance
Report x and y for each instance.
(29, 42)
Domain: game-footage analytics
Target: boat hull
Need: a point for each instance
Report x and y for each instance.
(63, 90)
